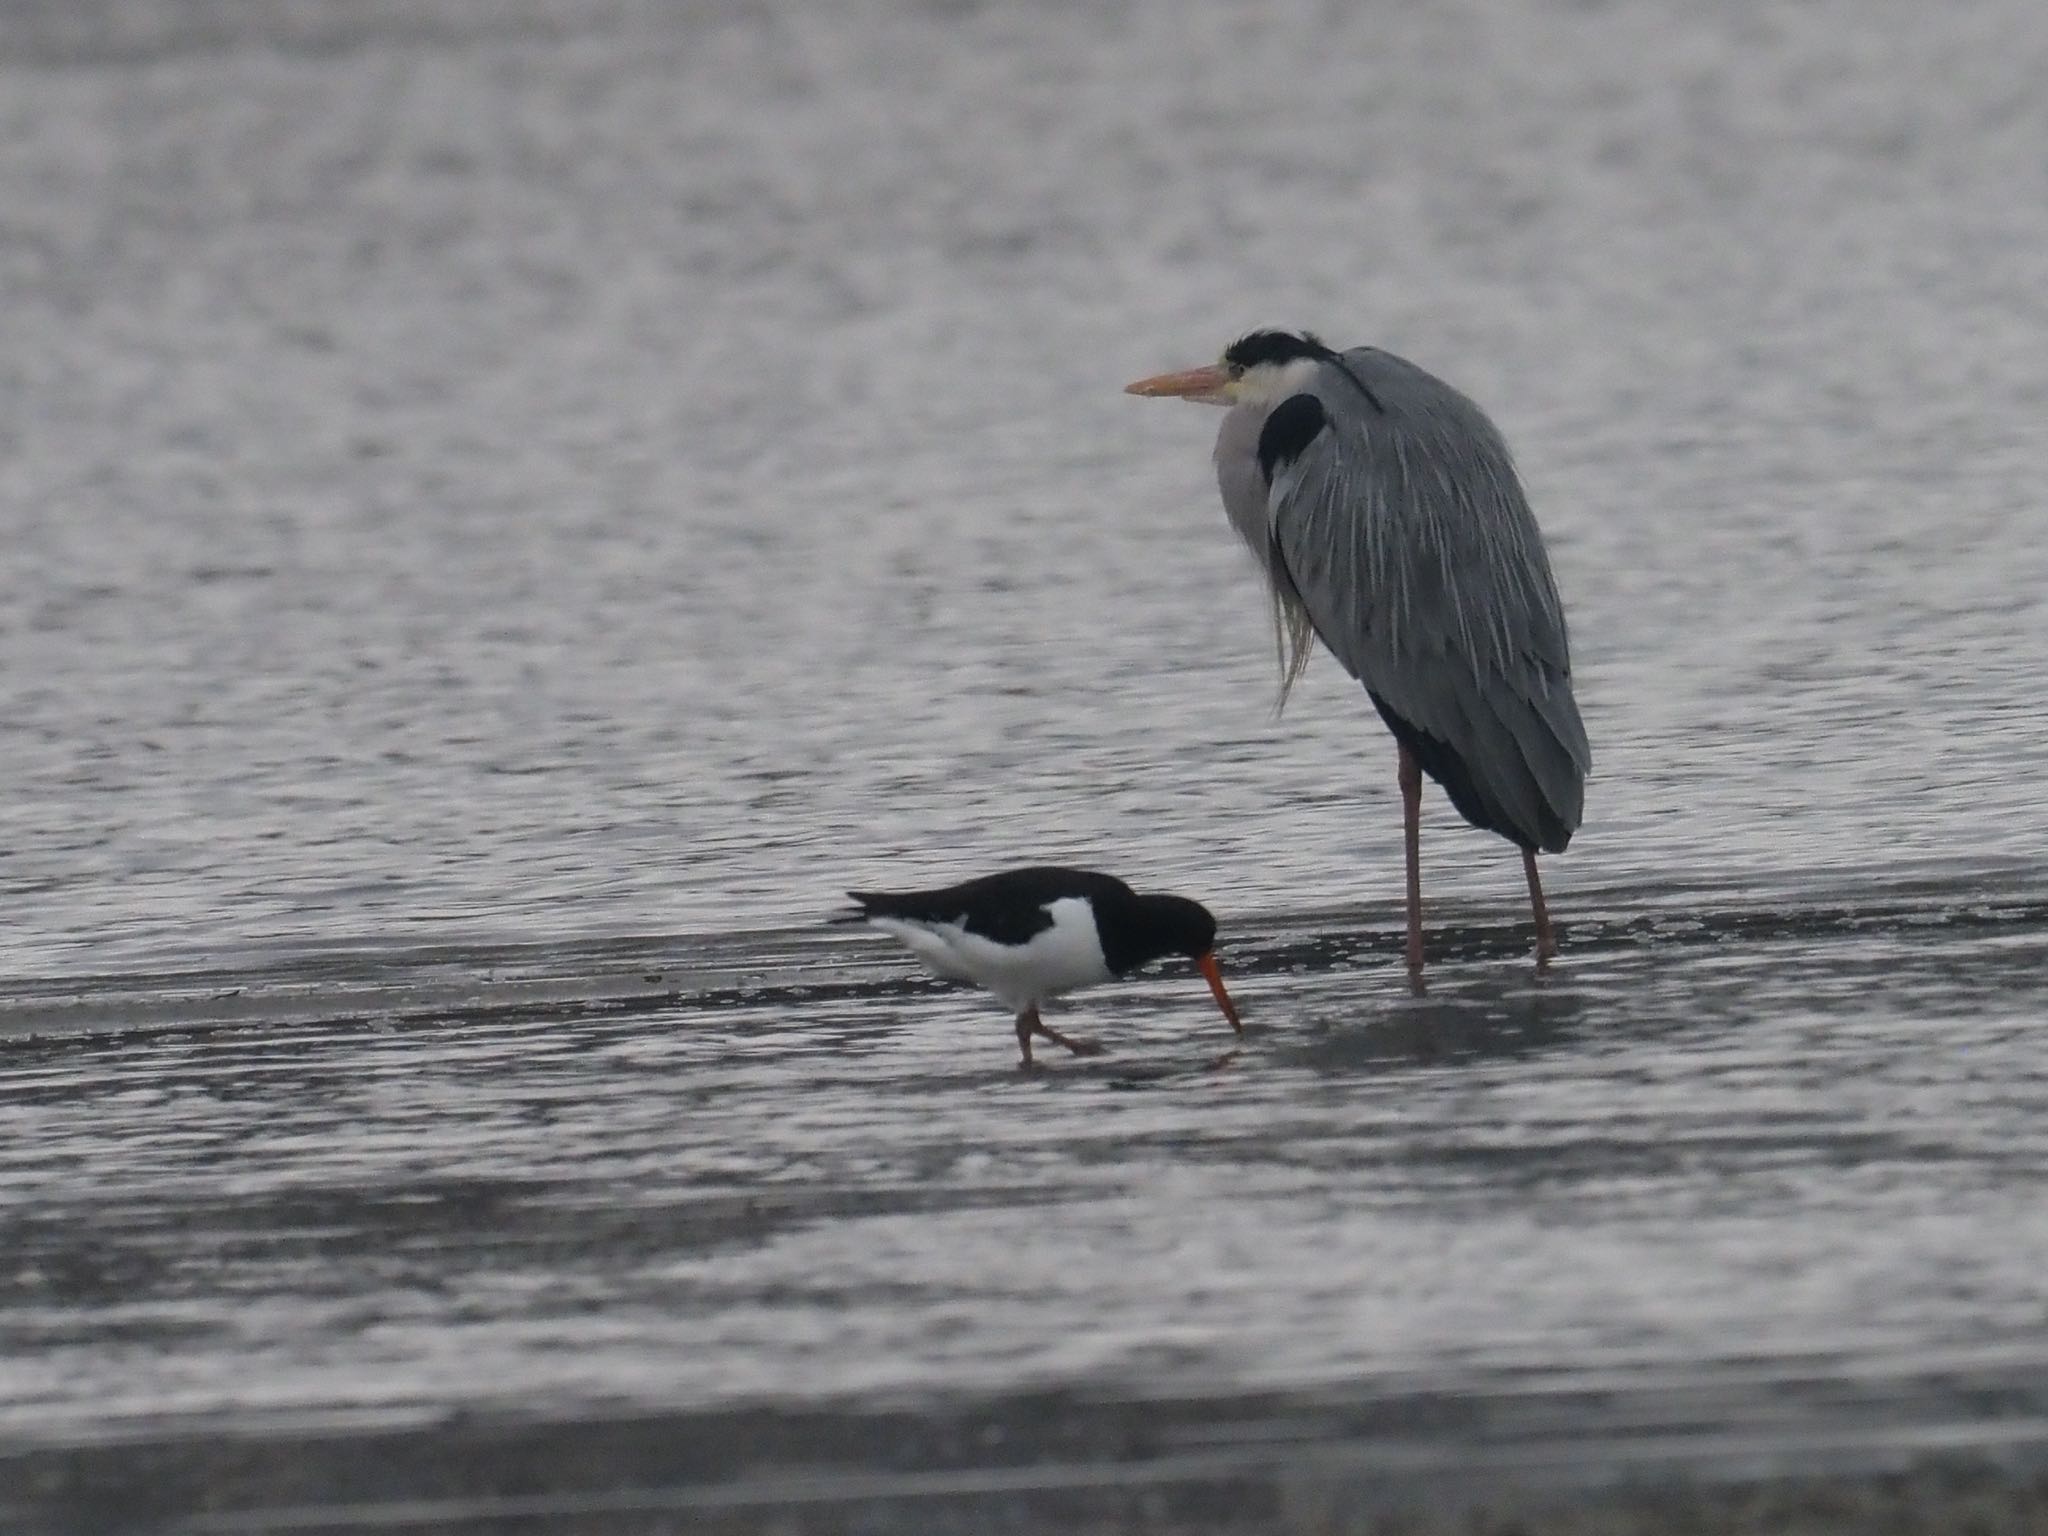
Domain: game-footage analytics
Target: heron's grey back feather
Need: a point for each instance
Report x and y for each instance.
(1402, 533)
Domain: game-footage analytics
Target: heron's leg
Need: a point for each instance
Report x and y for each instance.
(1411, 827)
(1026, 1022)
(1546, 942)
(1074, 1043)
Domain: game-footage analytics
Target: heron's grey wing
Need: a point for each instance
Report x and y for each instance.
(1402, 526)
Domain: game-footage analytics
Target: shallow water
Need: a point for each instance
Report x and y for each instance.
(1744, 1187)
(512, 509)
(622, 470)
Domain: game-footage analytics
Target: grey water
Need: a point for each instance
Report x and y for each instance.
(511, 508)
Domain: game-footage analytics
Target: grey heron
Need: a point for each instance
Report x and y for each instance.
(1385, 511)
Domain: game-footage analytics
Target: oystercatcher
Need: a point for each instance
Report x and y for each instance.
(1027, 935)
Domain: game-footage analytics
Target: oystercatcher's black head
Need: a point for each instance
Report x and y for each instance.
(1171, 925)
(1156, 926)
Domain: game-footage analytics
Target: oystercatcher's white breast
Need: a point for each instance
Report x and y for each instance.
(1066, 956)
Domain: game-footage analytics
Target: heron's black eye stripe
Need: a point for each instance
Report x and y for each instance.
(1288, 432)
(1276, 347)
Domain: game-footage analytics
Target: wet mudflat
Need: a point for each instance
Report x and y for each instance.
(1742, 1189)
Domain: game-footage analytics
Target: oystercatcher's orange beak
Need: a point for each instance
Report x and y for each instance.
(1207, 965)
(1207, 384)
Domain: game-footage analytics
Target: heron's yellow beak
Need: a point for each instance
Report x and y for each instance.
(1209, 384)
(1214, 977)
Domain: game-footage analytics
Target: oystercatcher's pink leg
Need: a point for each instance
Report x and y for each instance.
(1546, 942)
(1411, 829)
(1029, 1024)
(1074, 1043)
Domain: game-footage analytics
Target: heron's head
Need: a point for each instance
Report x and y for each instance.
(1261, 368)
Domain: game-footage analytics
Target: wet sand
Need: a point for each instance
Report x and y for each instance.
(1313, 1466)
(765, 1231)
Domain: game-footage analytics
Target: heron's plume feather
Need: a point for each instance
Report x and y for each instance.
(1294, 638)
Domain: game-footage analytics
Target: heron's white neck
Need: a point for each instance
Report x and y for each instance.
(1270, 383)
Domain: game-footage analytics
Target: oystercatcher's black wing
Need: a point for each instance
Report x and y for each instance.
(1007, 908)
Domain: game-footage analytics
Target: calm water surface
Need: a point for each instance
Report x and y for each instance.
(639, 470)
(512, 508)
